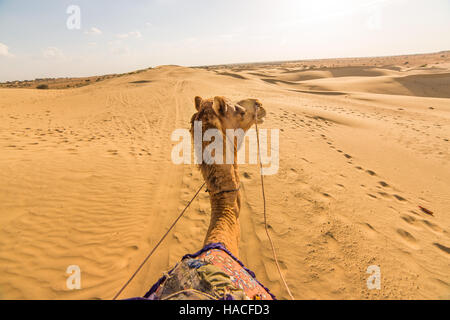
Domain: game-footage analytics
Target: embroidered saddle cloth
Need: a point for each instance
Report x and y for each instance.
(213, 273)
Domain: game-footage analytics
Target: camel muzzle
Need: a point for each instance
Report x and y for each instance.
(260, 113)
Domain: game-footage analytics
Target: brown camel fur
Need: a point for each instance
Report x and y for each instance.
(222, 180)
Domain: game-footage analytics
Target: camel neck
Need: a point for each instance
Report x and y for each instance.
(225, 206)
(224, 225)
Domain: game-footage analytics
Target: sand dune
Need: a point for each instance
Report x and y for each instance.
(422, 85)
(422, 82)
(86, 179)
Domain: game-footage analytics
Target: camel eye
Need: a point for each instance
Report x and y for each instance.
(239, 109)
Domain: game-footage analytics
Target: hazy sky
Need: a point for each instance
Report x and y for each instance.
(120, 36)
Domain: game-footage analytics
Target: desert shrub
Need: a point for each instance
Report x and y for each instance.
(42, 86)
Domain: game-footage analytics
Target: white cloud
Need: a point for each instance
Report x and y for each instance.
(4, 51)
(135, 34)
(318, 12)
(122, 35)
(52, 53)
(121, 51)
(227, 36)
(94, 31)
(115, 42)
(131, 34)
(118, 47)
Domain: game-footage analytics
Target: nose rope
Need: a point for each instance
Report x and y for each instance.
(264, 205)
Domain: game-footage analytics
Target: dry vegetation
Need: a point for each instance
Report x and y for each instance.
(62, 83)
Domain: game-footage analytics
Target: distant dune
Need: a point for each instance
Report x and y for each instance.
(86, 178)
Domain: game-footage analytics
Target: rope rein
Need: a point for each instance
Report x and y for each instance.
(158, 244)
(226, 191)
(264, 205)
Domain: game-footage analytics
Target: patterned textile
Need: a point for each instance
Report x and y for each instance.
(213, 273)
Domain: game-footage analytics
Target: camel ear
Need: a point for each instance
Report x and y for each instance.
(198, 102)
(220, 106)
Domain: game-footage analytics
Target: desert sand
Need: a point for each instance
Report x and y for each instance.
(86, 179)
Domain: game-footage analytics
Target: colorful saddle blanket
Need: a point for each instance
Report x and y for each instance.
(213, 273)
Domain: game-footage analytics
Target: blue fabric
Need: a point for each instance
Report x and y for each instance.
(195, 264)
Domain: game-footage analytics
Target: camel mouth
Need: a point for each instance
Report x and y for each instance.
(261, 114)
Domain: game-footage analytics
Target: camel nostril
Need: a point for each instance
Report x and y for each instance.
(261, 112)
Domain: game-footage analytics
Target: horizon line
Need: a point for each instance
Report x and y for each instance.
(268, 62)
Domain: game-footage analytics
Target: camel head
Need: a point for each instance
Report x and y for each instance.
(222, 180)
(222, 114)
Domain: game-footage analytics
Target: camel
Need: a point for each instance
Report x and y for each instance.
(215, 272)
(223, 179)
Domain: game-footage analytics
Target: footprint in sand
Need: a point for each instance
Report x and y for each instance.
(399, 198)
(372, 173)
(369, 230)
(422, 223)
(409, 219)
(384, 195)
(246, 175)
(113, 152)
(414, 212)
(432, 226)
(406, 236)
(442, 247)
(369, 226)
